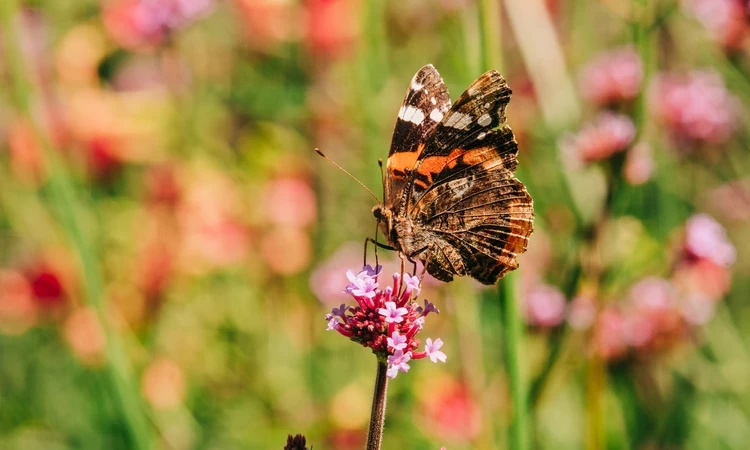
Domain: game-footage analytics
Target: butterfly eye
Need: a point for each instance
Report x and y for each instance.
(376, 211)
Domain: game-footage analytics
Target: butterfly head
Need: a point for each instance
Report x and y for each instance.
(384, 217)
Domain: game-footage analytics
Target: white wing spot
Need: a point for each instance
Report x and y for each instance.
(487, 105)
(458, 120)
(418, 117)
(401, 112)
(484, 120)
(436, 115)
(481, 135)
(432, 99)
(416, 86)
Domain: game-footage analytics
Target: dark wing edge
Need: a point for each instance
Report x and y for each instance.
(426, 102)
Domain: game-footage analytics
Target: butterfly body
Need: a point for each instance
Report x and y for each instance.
(451, 199)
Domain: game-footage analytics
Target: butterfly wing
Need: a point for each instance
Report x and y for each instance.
(424, 106)
(464, 200)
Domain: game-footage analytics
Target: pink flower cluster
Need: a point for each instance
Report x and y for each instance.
(658, 313)
(601, 139)
(613, 77)
(696, 109)
(387, 320)
(135, 23)
(725, 20)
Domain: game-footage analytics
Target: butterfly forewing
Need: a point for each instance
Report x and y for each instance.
(425, 104)
(463, 196)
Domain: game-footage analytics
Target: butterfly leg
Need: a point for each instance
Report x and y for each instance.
(376, 244)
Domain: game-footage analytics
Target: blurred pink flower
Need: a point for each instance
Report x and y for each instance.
(286, 250)
(17, 307)
(85, 335)
(26, 161)
(544, 306)
(331, 27)
(162, 185)
(705, 238)
(163, 384)
(732, 200)
(653, 321)
(290, 201)
(703, 277)
(449, 412)
(582, 312)
(609, 339)
(607, 135)
(268, 23)
(212, 234)
(639, 164)
(325, 280)
(696, 308)
(138, 23)
(725, 20)
(613, 77)
(695, 108)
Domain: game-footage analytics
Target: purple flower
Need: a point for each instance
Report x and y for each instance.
(433, 350)
(386, 321)
(428, 308)
(398, 362)
(363, 284)
(397, 342)
(392, 313)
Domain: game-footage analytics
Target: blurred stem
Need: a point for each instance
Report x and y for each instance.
(468, 323)
(66, 206)
(377, 416)
(489, 28)
(595, 378)
(514, 329)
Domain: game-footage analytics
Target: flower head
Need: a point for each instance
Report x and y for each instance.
(613, 77)
(705, 238)
(697, 109)
(386, 320)
(601, 139)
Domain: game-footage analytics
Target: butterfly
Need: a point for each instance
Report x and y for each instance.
(451, 199)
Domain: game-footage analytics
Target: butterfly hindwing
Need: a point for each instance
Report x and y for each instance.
(424, 106)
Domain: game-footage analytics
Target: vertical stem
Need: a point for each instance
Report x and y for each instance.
(68, 210)
(377, 416)
(595, 384)
(514, 329)
(489, 28)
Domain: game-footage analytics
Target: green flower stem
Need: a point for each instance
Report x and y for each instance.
(489, 28)
(514, 329)
(377, 415)
(68, 210)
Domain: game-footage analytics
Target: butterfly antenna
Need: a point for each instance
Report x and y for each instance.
(317, 150)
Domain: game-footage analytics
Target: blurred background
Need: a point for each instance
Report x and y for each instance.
(170, 243)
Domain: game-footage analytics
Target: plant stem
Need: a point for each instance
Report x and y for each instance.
(65, 204)
(377, 416)
(489, 28)
(513, 341)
